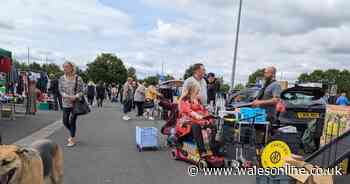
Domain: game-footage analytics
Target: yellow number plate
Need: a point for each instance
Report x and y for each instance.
(308, 115)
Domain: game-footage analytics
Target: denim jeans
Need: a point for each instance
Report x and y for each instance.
(70, 121)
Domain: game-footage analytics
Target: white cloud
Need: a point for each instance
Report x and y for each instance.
(72, 28)
(294, 35)
(172, 32)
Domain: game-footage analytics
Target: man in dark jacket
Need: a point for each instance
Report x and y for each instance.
(100, 93)
(91, 92)
(54, 90)
(213, 87)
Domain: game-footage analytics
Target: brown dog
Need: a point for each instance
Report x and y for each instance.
(41, 163)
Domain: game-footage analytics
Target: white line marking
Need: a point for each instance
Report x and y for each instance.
(41, 134)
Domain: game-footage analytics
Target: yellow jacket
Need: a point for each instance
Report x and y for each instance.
(151, 93)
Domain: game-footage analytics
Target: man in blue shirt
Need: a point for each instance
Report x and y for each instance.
(343, 100)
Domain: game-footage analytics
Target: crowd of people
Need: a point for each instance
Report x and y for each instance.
(133, 94)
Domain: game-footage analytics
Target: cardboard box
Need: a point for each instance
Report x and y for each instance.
(298, 162)
(337, 120)
(336, 123)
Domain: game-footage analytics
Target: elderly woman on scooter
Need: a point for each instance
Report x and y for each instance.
(192, 115)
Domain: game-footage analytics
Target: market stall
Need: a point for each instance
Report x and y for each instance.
(171, 89)
(15, 93)
(6, 107)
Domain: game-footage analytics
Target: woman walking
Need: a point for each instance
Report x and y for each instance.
(71, 88)
(139, 99)
(101, 94)
(127, 98)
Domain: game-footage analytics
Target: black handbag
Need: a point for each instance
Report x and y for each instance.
(80, 107)
(148, 104)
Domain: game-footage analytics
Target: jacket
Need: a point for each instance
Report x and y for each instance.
(54, 87)
(186, 118)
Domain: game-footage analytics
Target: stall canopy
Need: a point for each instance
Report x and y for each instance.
(5, 53)
(171, 83)
(5, 60)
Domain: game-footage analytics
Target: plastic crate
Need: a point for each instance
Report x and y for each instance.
(146, 137)
(43, 106)
(277, 179)
(247, 114)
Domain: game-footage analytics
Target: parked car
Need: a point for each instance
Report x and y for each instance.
(243, 96)
(301, 105)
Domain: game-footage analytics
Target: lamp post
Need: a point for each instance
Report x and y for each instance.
(236, 46)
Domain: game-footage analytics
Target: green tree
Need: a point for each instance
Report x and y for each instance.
(35, 67)
(22, 66)
(82, 74)
(169, 77)
(317, 76)
(257, 74)
(152, 80)
(304, 77)
(132, 73)
(331, 76)
(224, 88)
(108, 68)
(188, 72)
(52, 69)
(239, 86)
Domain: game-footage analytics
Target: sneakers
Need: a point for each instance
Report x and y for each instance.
(126, 118)
(151, 118)
(71, 142)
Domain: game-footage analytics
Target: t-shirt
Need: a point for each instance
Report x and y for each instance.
(67, 88)
(272, 90)
(140, 94)
(114, 91)
(203, 91)
(127, 92)
(342, 100)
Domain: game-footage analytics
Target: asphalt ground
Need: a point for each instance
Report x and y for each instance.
(106, 153)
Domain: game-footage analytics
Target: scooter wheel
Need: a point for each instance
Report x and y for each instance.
(235, 164)
(174, 154)
(202, 164)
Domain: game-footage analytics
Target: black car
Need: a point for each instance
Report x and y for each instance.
(243, 96)
(301, 106)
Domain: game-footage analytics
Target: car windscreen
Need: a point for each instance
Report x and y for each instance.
(246, 94)
(302, 96)
(299, 98)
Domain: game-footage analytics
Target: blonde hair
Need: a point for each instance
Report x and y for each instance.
(71, 64)
(189, 89)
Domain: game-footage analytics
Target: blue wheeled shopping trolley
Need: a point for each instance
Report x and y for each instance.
(146, 137)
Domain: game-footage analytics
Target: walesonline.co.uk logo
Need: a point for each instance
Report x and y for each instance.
(255, 171)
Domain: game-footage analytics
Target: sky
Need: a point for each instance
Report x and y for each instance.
(296, 36)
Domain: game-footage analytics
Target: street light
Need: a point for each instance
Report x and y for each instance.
(236, 46)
